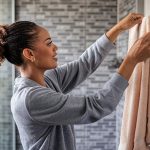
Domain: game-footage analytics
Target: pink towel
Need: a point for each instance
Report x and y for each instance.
(135, 129)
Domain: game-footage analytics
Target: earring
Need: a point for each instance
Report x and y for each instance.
(33, 59)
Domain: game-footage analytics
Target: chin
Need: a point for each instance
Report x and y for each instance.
(53, 67)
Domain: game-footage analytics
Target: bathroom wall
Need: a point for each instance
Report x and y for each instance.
(74, 25)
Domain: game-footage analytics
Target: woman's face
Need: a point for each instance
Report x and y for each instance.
(45, 51)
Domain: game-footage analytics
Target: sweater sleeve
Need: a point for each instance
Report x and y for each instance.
(72, 74)
(49, 107)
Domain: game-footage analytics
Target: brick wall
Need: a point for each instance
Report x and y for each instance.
(74, 25)
(5, 87)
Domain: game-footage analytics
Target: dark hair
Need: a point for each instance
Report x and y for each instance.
(14, 38)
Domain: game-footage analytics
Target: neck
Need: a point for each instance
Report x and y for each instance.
(33, 73)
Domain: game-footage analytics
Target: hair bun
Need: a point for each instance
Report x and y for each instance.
(3, 34)
(2, 57)
(3, 30)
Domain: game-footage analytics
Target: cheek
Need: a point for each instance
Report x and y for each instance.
(45, 58)
(44, 55)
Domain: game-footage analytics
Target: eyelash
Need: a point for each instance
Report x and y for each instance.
(50, 43)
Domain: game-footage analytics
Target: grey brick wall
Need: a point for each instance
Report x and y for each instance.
(74, 25)
(5, 87)
(124, 7)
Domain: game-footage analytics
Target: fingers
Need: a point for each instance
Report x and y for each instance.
(146, 37)
(136, 17)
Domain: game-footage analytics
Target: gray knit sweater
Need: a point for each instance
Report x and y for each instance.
(45, 115)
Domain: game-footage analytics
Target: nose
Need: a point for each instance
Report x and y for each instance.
(55, 47)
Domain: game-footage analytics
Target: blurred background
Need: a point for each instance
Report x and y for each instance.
(73, 25)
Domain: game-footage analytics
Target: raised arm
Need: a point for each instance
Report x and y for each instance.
(50, 107)
(72, 74)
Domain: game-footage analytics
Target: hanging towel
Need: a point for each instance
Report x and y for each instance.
(135, 129)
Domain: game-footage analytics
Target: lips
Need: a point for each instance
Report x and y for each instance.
(55, 57)
(55, 54)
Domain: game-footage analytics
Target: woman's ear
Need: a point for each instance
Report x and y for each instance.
(28, 54)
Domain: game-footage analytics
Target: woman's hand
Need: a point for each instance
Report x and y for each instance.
(129, 21)
(126, 23)
(140, 51)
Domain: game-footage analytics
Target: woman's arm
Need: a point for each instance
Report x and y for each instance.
(53, 108)
(139, 52)
(72, 74)
(69, 75)
(50, 107)
(126, 23)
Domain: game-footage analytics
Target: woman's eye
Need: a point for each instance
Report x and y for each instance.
(50, 43)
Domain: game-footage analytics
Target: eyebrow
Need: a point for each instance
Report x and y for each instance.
(47, 39)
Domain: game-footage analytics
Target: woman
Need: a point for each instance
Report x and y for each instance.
(43, 111)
